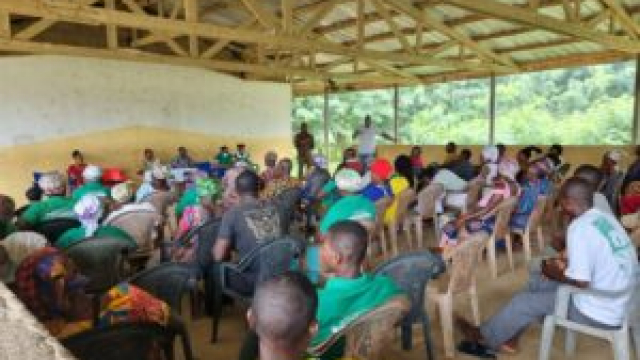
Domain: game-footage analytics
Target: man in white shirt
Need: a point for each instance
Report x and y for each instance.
(599, 256)
(366, 136)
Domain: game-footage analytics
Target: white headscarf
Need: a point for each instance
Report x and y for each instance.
(121, 193)
(490, 154)
(51, 182)
(508, 169)
(18, 246)
(89, 210)
(350, 181)
(92, 173)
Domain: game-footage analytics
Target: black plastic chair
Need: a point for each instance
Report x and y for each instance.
(264, 262)
(412, 272)
(137, 341)
(102, 260)
(169, 282)
(52, 229)
(287, 202)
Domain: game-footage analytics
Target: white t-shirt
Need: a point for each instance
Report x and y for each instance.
(449, 180)
(601, 203)
(367, 140)
(600, 252)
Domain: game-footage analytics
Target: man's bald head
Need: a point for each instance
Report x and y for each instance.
(576, 195)
(349, 239)
(591, 174)
(283, 311)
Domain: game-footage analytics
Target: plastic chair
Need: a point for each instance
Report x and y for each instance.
(267, 260)
(143, 226)
(412, 272)
(534, 225)
(54, 228)
(404, 200)
(287, 202)
(101, 259)
(369, 335)
(427, 199)
(381, 208)
(169, 283)
(501, 231)
(140, 341)
(161, 200)
(464, 264)
(619, 338)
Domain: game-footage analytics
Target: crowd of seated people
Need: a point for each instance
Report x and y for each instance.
(245, 204)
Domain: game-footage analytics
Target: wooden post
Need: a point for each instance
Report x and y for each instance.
(396, 112)
(325, 116)
(636, 105)
(191, 15)
(492, 109)
(112, 30)
(5, 25)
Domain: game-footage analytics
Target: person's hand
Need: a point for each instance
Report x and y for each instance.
(553, 269)
(558, 242)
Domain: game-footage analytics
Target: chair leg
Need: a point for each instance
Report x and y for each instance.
(406, 336)
(426, 333)
(541, 242)
(475, 309)
(547, 338)
(635, 332)
(394, 239)
(491, 250)
(383, 242)
(509, 244)
(217, 303)
(570, 343)
(620, 344)
(419, 235)
(526, 242)
(446, 317)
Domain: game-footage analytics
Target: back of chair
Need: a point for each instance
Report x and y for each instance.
(412, 272)
(427, 199)
(101, 259)
(273, 258)
(161, 200)
(287, 202)
(381, 208)
(503, 214)
(122, 341)
(562, 171)
(538, 211)
(405, 198)
(141, 225)
(52, 229)
(465, 258)
(168, 282)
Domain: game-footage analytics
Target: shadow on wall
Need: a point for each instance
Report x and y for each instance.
(120, 148)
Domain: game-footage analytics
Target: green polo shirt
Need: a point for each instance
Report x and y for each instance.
(343, 299)
(331, 193)
(76, 235)
(90, 188)
(225, 159)
(52, 207)
(351, 207)
(188, 198)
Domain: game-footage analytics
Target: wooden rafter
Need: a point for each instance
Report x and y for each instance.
(155, 36)
(5, 25)
(191, 14)
(264, 16)
(317, 17)
(627, 23)
(522, 16)
(395, 29)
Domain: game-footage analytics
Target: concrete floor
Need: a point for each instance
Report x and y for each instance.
(492, 294)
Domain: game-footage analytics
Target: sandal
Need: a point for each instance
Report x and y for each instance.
(476, 349)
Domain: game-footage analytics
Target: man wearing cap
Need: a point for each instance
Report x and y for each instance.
(55, 205)
(304, 144)
(92, 184)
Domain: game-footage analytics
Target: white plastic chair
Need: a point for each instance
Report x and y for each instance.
(427, 199)
(501, 231)
(464, 262)
(619, 338)
(404, 199)
(534, 225)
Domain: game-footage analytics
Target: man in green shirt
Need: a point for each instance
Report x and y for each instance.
(92, 184)
(55, 205)
(348, 291)
(224, 158)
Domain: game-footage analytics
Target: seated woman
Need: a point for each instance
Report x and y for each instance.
(534, 185)
(89, 210)
(49, 285)
(14, 248)
(403, 179)
(194, 216)
(481, 217)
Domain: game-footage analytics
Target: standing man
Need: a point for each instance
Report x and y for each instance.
(304, 144)
(366, 136)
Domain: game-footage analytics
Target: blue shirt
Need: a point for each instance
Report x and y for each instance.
(375, 192)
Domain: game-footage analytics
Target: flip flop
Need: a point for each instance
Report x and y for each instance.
(476, 349)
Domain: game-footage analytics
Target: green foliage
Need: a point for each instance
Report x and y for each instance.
(580, 106)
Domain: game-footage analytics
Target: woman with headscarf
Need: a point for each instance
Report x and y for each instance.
(89, 211)
(16, 247)
(402, 179)
(92, 176)
(49, 285)
(56, 205)
(480, 217)
(194, 216)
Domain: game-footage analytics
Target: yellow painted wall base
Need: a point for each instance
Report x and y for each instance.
(120, 148)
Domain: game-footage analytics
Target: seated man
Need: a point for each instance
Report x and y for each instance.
(246, 226)
(89, 211)
(282, 315)
(271, 170)
(463, 167)
(347, 292)
(282, 180)
(224, 158)
(55, 205)
(599, 256)
(183, 160)
(92, 176)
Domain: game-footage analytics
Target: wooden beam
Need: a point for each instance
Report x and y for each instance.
(191, 8)
(5, 25)
(112, 30)
(156, 35)
(178, 27)
(392, 25)
(386, 69)
(317, 17)
(545, 22)
(287, 16)
(420, 15)
(264, 16)
(221, 44)
(631, 26)
(141, 56)
(360, 25)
